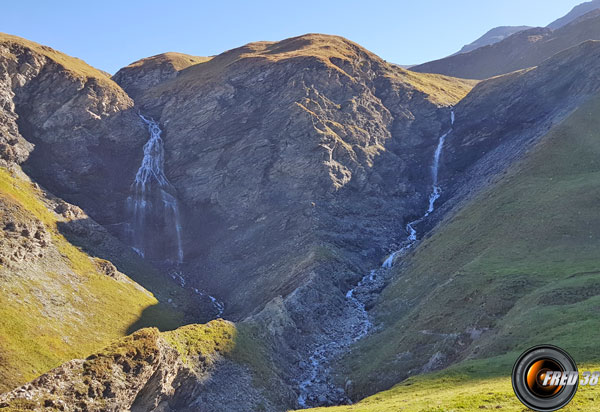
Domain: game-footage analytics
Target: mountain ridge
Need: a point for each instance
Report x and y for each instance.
(521, 50)
(574, 14)
(492, 36)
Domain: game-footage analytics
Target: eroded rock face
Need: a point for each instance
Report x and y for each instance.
(71, 127)
(312, 144)
(295, 164)
(497, 124)
(22, 237)
(189, 369)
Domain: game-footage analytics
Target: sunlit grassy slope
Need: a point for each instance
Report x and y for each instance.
(520, 262)
(471, 386)
(59, 306)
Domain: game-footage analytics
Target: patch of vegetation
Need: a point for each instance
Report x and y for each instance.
(440, 89)
(520, 265)
(249, 350)
(200, 343)
(131, 353)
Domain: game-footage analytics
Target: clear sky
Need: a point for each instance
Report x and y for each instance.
(110, 34)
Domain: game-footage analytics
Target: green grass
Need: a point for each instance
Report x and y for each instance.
(201, 342)
(58, 307)
(472, 386)
(521, 260)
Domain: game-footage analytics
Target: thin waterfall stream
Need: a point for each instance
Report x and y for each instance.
(155, 210)
(316, 386)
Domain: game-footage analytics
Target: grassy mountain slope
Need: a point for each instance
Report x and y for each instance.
(470, 386)
(56, 302)
(519, 265)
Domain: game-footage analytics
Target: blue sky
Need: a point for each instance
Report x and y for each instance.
(111, 34)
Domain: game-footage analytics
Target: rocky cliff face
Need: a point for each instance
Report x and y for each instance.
(81, 132)
(524, 49)
(298, 147)
(67, 285)
(287, 137)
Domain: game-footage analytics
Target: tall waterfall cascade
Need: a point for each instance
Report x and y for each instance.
(156, 230)
(156, 221)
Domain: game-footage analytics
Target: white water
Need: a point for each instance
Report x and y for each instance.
(360, 324)
(151, 175)
(151, 184)
(219, 306)
(436, 192)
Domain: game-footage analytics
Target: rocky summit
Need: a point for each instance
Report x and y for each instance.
(359, 225)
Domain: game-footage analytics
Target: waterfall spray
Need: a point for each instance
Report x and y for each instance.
(153, 196)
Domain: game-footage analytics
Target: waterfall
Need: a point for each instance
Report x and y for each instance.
(315, 382)
(153, 201)
(436, 192)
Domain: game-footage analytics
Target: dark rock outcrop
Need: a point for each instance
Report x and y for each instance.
(70, 126)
